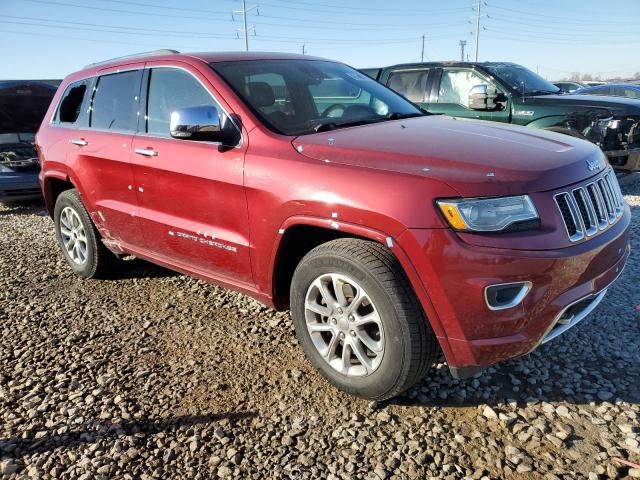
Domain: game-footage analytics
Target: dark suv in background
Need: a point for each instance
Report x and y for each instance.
(510, 93)
(23, 104)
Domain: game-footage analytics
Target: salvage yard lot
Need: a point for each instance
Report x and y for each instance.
(157, 375)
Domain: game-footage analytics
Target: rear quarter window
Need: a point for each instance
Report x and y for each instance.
(71, 103)
(115, 102)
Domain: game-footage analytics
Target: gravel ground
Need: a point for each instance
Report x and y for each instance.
(157, 375)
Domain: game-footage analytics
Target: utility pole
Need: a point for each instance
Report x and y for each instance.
(245, 30)
(478, 6)
(463, 43)
(422, 54)
(303, 48)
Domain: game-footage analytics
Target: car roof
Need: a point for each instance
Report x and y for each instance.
(620, 85)
(452, 63)
(209, 57)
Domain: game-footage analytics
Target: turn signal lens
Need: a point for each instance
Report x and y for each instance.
(452, 214)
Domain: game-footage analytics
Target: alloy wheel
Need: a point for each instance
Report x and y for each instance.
(344, 325)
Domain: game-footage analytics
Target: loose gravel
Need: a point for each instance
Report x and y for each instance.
(158, 375)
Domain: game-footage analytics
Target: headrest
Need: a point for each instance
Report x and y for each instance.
(261, 93)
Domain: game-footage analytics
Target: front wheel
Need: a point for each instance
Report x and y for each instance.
(358, 319)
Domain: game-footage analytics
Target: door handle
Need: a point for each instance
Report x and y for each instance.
(147, 152)
(81, 142)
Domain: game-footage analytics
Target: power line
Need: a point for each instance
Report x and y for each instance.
(564, 20)
(368, 12)
(105, 9)
(109, 28)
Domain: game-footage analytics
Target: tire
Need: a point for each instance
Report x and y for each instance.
(402, 344)
(74, 229)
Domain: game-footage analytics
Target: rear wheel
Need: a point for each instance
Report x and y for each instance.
(358, 320)
(78, 238)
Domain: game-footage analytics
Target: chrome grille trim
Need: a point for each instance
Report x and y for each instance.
(591, 208)
(581, 196)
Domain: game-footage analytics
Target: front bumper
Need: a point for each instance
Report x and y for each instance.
(454, 275)
(624, 160)
(19, 186)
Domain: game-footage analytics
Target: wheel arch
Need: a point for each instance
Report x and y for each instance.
(296, 238)
(54, 184)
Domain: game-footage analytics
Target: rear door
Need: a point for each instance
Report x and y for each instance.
(193, 208)
(100, 152)
(452, 95)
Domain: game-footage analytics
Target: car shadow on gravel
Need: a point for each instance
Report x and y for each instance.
(132, 267)
(32, 441)
(27, 207)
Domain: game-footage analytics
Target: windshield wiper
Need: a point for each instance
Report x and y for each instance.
(327, 126)
(400, 116)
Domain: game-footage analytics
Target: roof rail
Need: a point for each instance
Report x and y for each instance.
(162, 51)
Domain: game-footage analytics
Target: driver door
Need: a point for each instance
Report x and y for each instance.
(193, 208)
(452, 97)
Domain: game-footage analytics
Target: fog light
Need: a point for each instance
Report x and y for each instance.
(506, 295)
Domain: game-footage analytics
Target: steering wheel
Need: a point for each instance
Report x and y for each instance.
(334, 106)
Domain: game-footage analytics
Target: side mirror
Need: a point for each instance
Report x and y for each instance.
(481, 99)
(200, 123)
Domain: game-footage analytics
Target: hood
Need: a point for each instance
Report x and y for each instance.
(617, 105)
(474, 158)
(23, 105)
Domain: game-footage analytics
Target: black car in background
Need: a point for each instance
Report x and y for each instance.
(23, 104)
(567, 86)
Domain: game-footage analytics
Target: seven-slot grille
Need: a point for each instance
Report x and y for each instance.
(591, 208)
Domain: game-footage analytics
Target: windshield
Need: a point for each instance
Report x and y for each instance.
(298, 97)
(521, 79)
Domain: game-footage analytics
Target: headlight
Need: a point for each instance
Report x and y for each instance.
(488, 214)
(603, 124)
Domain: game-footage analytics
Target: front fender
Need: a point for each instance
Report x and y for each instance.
(399, 244)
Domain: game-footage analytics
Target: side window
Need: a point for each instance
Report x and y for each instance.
(115, 102)
(69, 109)
(410, 84)
(456, 84)
(632, 93)
(616, 91)
(169, 90)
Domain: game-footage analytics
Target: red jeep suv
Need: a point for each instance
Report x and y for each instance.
(389, 233)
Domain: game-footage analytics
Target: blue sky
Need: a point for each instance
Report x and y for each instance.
(51, 38)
